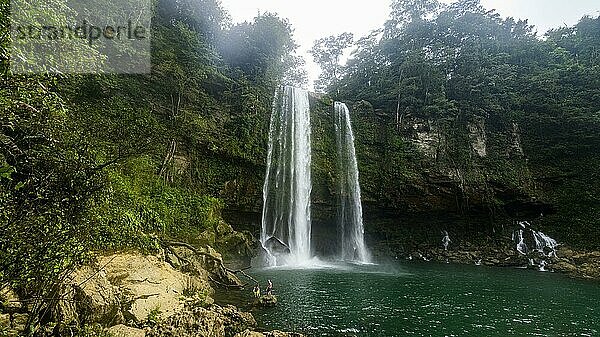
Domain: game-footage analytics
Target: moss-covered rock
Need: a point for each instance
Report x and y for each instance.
(125, 331)
(266, 301)
(235, 245)
(214, 321)
(206, 263)
(274, 333)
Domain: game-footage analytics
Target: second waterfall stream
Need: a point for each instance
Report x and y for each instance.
(350, 216)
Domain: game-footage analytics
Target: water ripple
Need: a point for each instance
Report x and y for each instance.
(424, 300)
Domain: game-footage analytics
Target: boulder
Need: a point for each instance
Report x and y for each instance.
(276, 246)
(150, 287)
(125, 331)
(127, 286)
(199, 322)
(208, 263)
(205, 322)
(266, 301)
(90, 297)
(234, 244)
(235, 321)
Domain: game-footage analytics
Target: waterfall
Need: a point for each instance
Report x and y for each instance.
(350, 221)
(520, 241)
(286, 221)
(545, 244)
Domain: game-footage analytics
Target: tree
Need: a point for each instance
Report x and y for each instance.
(404, 12)
(261, 49)
(327, 53)
(295, 71)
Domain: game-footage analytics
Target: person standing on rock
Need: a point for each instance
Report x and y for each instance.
(270, 288)
(256, 291)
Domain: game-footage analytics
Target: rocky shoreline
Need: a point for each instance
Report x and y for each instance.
(574, 263)
(130, 294)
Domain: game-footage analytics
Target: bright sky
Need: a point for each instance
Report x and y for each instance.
(313, 19)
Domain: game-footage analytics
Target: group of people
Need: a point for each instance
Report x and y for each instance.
(269, 290)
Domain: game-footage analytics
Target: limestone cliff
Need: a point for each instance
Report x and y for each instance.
(131, 294)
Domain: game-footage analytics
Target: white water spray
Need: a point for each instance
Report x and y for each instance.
(350, 220)
(520, 241)
(545, 244)
(286, 224)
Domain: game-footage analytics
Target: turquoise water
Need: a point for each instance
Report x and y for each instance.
(429, 300)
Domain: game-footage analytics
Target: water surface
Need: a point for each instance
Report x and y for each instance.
(429, 300)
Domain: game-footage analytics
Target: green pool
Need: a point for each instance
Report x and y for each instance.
(428, 300)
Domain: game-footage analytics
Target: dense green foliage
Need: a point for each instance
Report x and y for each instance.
(96, 162)
(327, 53)
(461, 74)
(102, 162)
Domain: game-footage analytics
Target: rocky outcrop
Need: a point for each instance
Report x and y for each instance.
(204, 262)
(125, 331)
(478, 137)
(213, 321)
(150, 286)
(233, 244)
(90, 297)
(266, 301)
(275, 333)
(577, 263)
(127, 287)
(137, 296)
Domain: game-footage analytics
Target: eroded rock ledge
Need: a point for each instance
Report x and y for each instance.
(134, 295)
(574, 263)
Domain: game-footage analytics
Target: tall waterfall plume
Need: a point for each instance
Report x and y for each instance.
(286, 224)
(350, 220)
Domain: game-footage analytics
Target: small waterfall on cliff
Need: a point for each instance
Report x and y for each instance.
(286, 221)
(545, 244)
(350, 221)
(519, 239)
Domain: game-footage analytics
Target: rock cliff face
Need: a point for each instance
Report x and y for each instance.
(129, 288)
(135, 295)
(420, 176)
(473, 175)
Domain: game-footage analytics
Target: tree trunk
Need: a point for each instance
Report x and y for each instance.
(166, 170)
